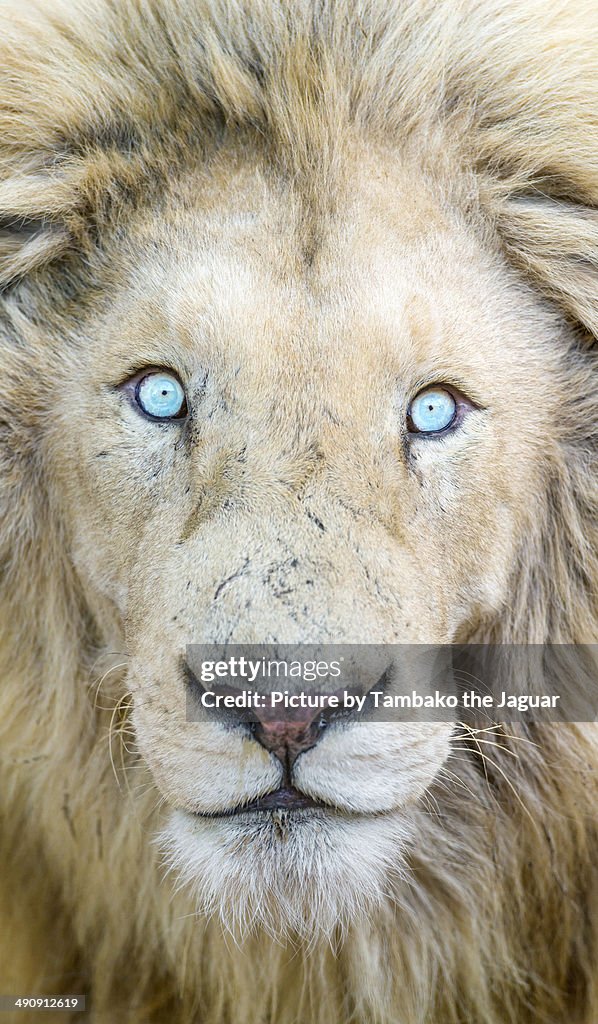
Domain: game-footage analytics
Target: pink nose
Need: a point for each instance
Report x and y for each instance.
(289, 737)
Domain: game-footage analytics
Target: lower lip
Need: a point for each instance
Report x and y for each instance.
(281, 800)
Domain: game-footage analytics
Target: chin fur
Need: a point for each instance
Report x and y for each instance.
(302, 876)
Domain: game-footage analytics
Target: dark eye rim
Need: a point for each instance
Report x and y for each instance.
(463, 405)
(132, 385)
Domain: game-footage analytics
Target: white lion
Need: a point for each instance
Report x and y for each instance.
(297, 325)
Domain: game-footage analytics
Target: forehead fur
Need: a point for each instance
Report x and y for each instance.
(100, 100)
(80, 74)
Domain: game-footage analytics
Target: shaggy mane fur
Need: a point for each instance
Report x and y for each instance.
(101, 101)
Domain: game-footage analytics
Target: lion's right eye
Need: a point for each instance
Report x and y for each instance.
(159, 394)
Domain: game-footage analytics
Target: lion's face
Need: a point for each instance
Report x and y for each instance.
(297, 500)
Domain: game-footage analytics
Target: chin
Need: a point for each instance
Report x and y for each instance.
(298, 875)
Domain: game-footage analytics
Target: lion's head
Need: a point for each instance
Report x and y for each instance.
(296, 347)
(290, 497)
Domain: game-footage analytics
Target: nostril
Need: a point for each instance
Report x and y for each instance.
(289, 738)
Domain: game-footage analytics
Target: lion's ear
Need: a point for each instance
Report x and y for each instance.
(556, 243)
(34, 213)
(26, 244)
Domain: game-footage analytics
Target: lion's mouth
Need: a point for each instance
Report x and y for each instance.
(287, 798)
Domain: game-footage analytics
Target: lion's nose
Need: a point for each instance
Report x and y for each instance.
(284, 735)
(288, 738)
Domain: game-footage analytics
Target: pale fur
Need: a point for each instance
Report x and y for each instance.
(159, 159)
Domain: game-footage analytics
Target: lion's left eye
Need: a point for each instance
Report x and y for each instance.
(161, 395)
(432, 411)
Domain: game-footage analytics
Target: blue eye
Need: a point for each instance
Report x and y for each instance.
(431, 411)
(161, 395)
